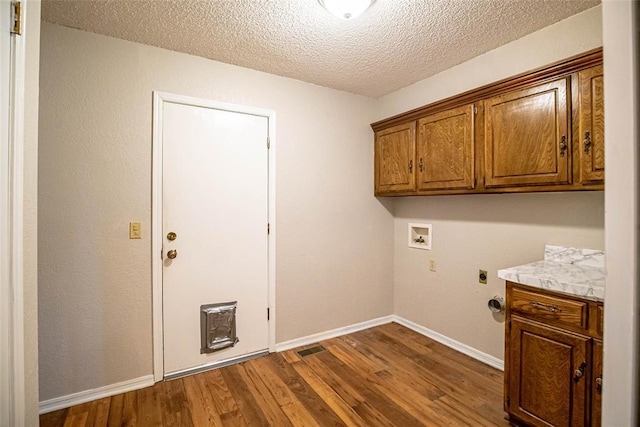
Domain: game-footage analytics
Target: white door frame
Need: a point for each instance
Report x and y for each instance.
(12, 375)
(159, 99)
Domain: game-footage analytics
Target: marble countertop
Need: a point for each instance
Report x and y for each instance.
(572, 271)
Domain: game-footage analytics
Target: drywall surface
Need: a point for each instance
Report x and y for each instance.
(334, 239)
(621, 25)
(30, 213)
(487, 232)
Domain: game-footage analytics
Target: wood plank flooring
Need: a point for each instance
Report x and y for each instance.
(384, 376)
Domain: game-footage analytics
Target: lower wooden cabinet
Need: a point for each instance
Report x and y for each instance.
(544, 385)
(553, 359)
(596, 386)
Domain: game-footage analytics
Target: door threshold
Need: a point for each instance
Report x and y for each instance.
(215, 365)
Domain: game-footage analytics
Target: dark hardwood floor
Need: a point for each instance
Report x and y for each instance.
(384, 376)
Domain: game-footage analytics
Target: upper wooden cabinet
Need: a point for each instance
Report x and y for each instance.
(527, 136)
(591, 124)
(445, 150)
(539, 131)
(395, 158)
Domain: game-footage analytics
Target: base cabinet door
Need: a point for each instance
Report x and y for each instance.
(596, 385)
(395, 159)
(548, 375)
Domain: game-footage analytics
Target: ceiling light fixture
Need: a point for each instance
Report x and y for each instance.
(346, 9)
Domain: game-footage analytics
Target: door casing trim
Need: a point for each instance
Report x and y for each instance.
(159, 99)
(12, 345)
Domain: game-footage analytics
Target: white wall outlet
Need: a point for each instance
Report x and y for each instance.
(420, 235)
(432, 265)
(482, 276)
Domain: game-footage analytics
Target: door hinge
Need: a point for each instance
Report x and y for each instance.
(161, 253)
(268, 143)
(268, 313)
(17, 18)
(508, 403)
(509, 324)
(268, 228)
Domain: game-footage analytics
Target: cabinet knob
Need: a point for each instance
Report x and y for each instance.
(563, 145)
(587, 142)
(410, 166)
(579, 373)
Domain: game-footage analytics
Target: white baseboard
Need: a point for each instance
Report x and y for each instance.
(310, 339)
(146, 381)
(94, 394)
(449, 342)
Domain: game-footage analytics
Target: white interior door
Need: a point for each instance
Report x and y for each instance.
(215, 200)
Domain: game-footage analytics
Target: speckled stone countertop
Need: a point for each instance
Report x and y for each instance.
(572, 271)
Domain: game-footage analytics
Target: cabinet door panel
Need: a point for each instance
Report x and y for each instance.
(445, 150)
(596, 387)
(542, 386)
(395, 159)
(527, 137)
(591, 118)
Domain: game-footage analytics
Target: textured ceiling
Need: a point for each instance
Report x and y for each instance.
(393, 44)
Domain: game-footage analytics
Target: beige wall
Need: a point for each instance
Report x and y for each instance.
(487, 232)
(334, 239)
(32, 40)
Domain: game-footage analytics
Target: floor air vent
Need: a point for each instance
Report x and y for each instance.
(311, 350)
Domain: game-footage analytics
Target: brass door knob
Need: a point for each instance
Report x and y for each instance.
(172, 236)
(172, 254)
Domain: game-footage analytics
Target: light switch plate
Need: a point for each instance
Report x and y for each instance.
(135, 230)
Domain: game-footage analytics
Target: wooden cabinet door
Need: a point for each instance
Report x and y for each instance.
(395, 159)
(445, 150)
(543, 387)
(527, 138)
(591, 124)
(596, 385)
